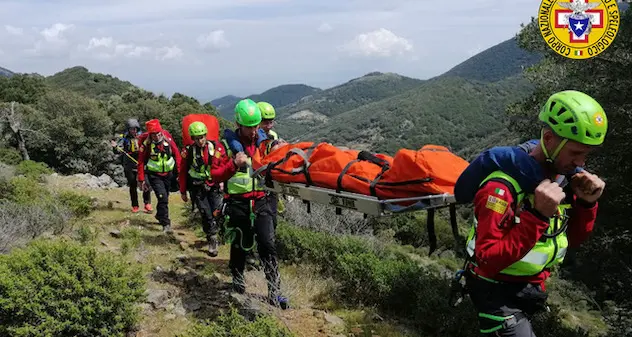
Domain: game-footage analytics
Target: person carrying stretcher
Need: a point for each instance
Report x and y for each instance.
(195, 175)
(249, 217)
(529, 211)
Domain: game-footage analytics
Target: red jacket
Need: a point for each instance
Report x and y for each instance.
(224, 167)
(499, 243)
(143, 155)
(184, 165)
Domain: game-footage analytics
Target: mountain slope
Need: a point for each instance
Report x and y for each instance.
(496, 63)
(369, 88)
(277, 96)
(318, 108)
(226, 103)
(6, 72)
(93, 85)
(449, 111)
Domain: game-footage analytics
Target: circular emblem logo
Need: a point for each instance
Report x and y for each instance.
(579, 29)
(598, 118)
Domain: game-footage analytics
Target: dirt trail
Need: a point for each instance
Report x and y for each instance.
(184, 283)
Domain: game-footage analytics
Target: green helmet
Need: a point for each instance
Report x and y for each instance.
(576, 116)
(267, 110)
(197, 129)
(247, 113)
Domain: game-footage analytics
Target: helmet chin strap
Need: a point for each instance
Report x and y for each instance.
(551, 158)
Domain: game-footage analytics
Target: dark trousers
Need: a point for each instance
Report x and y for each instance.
(161, 186)
(262, 232)
(273, 200)
(514, 302)
(131, 174)
(207, 199)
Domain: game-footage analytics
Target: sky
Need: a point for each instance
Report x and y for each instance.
(212, 48)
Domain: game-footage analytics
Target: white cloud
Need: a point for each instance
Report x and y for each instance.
(169, 53)
(378, 43)
(13, 30)
(104, 48)
(213, 41)
(55, 33)
(300, 39)
(53, 41)
(325, 28)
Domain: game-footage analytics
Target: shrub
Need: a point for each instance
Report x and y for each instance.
(32, 169)
(80, 205)
(20, 223)
(233, 324)
(57, 288)
(403, 285)
(10, 156)
(24, 190)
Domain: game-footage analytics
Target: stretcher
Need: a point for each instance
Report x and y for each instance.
(298, 183)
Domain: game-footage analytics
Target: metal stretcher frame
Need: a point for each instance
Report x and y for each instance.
(373, 206)
(360, 202)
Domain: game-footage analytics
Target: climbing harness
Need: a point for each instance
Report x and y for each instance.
(231, 232)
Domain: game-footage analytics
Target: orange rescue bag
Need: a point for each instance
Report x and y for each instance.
(212, 126)
(433, 169)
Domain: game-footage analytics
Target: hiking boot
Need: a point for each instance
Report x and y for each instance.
(135, 209)
(279, 302)
(167, 229)
(148, 208)
(212, 245)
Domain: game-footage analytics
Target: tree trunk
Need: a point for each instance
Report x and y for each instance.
(14, 124)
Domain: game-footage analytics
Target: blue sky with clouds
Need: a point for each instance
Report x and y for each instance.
(210, 48)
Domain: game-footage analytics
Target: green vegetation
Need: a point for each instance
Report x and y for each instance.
(503, 60)
(67, 120)
(483, 102)
(80, 80)
(404, 285)
(369, 88)
(28, 209)
(449, 111)
(57, 288)
(233, 324)
(277, 96)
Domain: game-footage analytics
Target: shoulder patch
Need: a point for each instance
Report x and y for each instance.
(496, 204)
(499, 191)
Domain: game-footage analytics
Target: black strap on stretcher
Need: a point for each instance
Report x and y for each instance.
(366, 156)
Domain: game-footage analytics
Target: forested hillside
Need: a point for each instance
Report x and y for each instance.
(503, 60)
(66, 120)
(277, 96)
(92, 85)
(450, 111)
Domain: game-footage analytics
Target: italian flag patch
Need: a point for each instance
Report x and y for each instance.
(499, 191)
(579, 52)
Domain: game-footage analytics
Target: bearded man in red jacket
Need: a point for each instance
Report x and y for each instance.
(521, 232)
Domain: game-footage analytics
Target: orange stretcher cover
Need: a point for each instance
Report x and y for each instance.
(433, 169)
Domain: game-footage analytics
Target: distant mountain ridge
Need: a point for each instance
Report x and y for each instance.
(6, 72)
(277, 96)
(93, 85)
(503, 60)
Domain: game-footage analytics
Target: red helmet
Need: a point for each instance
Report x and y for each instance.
(153, 126)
